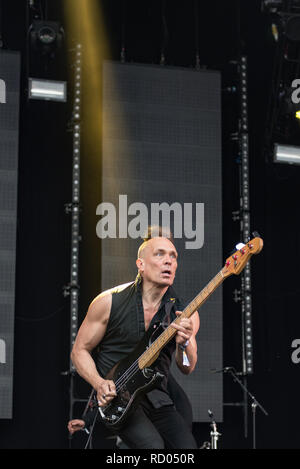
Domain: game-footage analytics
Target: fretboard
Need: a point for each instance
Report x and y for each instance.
(169, 332)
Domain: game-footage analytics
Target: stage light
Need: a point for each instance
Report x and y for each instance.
(48, 90)
(46, 35)
(286, 154)
(297, 114)
(247, 326)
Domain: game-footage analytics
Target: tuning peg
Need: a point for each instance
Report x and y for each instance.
(238, 247)
(256, 234)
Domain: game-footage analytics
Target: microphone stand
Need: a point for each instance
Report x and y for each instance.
(214, 434)
(254, 404)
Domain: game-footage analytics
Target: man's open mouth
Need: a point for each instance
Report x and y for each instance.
(166, 272)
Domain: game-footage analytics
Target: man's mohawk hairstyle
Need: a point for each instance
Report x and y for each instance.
(157, 231)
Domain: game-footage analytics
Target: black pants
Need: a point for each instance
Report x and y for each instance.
(159, 428)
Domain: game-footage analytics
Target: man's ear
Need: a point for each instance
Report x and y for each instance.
(140, 264)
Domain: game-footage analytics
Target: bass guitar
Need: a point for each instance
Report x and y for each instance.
(133, 376)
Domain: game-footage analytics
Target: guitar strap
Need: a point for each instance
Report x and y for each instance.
(166, 321)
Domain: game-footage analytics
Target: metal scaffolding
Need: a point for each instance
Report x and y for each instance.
(73, 208)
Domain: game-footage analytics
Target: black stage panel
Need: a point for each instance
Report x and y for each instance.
(162, 154)
(9, 141)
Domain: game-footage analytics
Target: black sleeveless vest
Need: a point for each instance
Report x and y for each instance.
(126, 328)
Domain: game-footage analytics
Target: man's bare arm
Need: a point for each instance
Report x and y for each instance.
(90, 333)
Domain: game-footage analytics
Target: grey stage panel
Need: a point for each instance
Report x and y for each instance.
(162, 143)
(9, 140)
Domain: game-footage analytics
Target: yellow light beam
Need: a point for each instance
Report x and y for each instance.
(85, 24)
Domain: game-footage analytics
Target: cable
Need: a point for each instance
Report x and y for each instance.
(45, 318)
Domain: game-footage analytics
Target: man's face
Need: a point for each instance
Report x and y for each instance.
(158, 262)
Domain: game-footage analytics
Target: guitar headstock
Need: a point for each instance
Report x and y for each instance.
(237, 261)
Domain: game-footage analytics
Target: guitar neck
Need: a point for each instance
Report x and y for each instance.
(147, 357)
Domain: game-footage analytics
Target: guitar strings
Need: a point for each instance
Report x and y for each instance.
(124, 378)
(133, 368)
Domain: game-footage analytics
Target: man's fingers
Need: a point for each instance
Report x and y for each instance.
(104, 399)
(182, 334)
(182, 327)
(75, 425)
(112, 388)
(106, 393)
(108, 388)
(111, 391)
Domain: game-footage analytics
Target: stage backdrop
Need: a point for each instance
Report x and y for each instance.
(162, 144)
(9, 139)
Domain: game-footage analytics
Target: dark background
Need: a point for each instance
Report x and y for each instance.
(223, 30)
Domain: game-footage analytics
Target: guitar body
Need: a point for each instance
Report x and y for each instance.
(132, 381)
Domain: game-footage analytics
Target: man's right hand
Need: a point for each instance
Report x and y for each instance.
(106, 392)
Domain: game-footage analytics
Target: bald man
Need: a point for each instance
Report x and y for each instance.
(115, 323)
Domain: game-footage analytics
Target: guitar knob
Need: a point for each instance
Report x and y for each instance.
(120, 410)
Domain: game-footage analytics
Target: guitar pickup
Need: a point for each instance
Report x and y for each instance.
(148, 372)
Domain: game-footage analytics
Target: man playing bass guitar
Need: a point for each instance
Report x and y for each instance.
(115, 324)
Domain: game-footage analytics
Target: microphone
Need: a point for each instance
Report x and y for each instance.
(222, 370)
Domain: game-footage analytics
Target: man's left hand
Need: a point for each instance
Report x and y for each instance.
(75, 425)
(184, 329)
